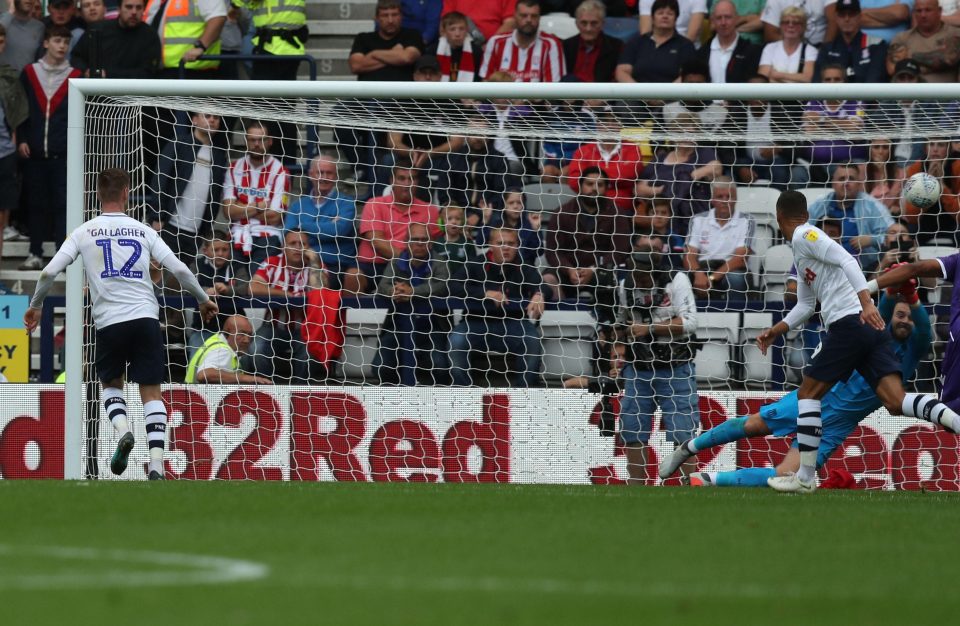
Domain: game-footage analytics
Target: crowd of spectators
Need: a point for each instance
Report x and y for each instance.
(444, 216)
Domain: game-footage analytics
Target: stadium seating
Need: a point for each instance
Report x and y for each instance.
(719, 334)
(776, 266)
(760, 203)
(757, 367)
(560, 24)
(568, 338)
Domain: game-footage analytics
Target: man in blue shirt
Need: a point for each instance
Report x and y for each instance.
(844, 406)
(864, 219)
(863, 56)
(328, 219)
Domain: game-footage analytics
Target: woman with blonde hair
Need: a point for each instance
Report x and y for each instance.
(791, 59)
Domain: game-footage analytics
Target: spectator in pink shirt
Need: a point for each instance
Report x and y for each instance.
(491, 17)
(385, 220)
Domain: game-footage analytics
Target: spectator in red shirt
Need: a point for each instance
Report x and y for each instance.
(529, 55)
(288, 275)
(592, 55)
(385, 222)
(491, 17)
(621, 161)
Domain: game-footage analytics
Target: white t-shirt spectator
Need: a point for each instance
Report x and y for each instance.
(192, 206)
(816, 18)
(687, 8)
(775, 56)
(718, 243)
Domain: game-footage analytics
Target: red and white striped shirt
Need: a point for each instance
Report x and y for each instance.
(248, 184)
(279, 275)
(542, 62)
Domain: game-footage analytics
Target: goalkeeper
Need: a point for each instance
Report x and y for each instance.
(844, 406)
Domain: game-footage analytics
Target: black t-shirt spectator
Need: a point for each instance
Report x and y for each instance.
(656, 64)
(365, 43)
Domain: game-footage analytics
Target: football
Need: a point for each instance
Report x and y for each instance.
(922, 190)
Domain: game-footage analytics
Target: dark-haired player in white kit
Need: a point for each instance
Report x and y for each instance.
(855, 339)
(116, 251)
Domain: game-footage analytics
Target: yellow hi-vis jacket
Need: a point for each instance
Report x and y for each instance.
(182, 27)
(215, 341)
(280, 25)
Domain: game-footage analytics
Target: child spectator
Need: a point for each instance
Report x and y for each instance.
(458, 54)
(43, 143)
(513, 216)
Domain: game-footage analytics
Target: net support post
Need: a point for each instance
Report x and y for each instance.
(73, 391)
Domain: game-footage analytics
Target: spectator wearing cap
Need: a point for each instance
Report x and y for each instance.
(591, 54)
(901, 118)
(711, 115)
(24, 35)
(862, 56)
(433, 155)
(63, 13)
(656, 56)
(932, 44)
(731, 57)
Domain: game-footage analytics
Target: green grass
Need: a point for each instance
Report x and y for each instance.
(480, 554)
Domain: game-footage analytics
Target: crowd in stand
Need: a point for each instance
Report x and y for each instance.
(445, 216)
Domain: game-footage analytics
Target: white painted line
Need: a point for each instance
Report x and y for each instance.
(185, 569)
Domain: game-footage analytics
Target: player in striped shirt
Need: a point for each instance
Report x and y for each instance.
(528, 54)
(855, 339)
(117, 251)
(255, 198)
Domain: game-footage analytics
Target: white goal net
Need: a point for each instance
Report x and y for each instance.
(459, 283)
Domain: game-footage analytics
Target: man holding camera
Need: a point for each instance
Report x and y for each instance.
(658, 319)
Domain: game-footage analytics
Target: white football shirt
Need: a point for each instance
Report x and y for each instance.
(825, 272)
(116, 251)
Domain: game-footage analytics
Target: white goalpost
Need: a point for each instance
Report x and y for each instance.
(528, 414)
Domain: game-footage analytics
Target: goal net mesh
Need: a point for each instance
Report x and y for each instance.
(457, 290)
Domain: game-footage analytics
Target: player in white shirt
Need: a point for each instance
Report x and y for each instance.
(117, 251)
(855, 339)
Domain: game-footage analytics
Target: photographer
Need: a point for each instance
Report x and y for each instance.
(898, 247)
(657, 322)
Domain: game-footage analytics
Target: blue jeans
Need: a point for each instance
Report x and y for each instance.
(674, 390)
(405, 340)
(273, 341)
(519, 338)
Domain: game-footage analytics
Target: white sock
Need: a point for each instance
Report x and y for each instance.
(155, 416)
(692, 447)
(116, 409)
(809, 431)
(927, 407)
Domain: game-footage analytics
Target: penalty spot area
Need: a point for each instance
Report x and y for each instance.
(64, 567)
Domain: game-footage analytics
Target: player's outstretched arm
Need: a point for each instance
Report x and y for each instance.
(902, 273)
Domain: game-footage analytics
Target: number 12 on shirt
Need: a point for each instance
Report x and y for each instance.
(127, 270)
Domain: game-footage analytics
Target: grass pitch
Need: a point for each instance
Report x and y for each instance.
(72, 553)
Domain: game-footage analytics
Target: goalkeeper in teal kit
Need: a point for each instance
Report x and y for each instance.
(844, 406)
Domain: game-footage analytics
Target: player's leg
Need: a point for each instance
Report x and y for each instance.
(924, 406)
(810, 424)
(731, 430)
(111, 362)
(147, 369)
(115, 406)
(155, 416)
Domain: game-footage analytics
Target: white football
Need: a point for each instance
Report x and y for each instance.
(922, 190)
